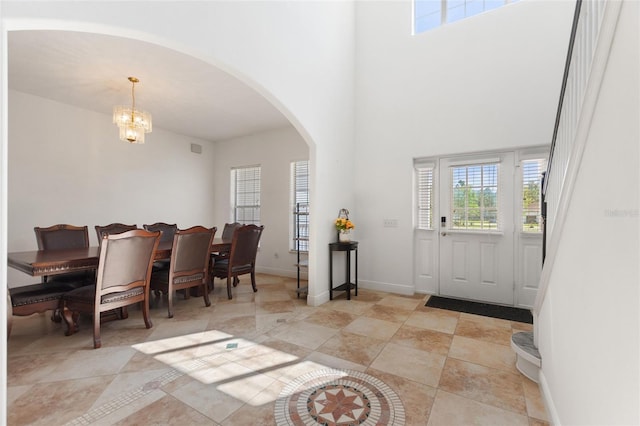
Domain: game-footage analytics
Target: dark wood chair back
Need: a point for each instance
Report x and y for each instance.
(124, 273)
(168, 230)
(244, 246)
(113, 228)
(227, 232)
(242, 257)
(189, 267)
(62, 236)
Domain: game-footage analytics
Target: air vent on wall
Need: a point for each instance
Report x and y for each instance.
(196, 148)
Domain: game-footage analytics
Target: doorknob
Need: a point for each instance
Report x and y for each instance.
(444, 234)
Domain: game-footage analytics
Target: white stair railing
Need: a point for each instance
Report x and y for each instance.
(593, 30)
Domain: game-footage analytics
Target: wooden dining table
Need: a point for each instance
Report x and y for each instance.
(53, 262)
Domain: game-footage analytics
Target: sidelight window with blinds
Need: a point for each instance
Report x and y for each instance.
(300, 205)
(245, 195)
(424, 196)
(474, 197)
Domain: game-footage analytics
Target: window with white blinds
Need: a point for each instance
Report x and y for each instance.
(245, 194)
(300, 205)
(531, 203)
(474, 197)
(424, 196)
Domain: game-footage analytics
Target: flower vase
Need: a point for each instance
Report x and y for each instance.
(344, 236)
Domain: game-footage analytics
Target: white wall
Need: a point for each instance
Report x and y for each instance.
(273, 151)
(85, 175)
(485, 83)
(588, 328)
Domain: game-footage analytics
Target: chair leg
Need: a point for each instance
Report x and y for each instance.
(205, 294)
(229, 287)
(253, 281)
(71, 320)
(97, 342)
(145, 314)
(170, 303)
(56, 316)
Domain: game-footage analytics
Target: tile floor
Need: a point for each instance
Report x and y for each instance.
(226, 364)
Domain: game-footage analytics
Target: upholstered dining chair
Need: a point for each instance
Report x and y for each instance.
(227, 234)
(60, 237)
(37, 298)
(189, 266)
(124, 272)
(168, 231)
(113, 228)
(242, 257)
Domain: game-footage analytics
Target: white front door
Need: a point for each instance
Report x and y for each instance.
(476, 209)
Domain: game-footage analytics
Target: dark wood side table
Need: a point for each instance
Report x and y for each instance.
(347, 247)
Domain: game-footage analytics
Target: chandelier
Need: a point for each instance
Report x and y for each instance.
(133, 124)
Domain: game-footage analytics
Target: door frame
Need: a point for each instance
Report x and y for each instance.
(426, 277)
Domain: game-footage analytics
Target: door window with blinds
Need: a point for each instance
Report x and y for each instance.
(245, 195)
(474, 195)
(300, 205)
(531, 203)
(424, 196)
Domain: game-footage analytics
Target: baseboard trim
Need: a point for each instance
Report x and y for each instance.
(289, 273)
(405, 290)
(548, 401)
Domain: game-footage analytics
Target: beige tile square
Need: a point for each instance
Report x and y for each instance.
(56, 402)
(483, 353)
(353, 347)
(533, 397)
(379, 329)
(423, 339)
(419, 366)
(275, 307)
(166, 411)
(487, 331)
(434, 319)
(208, 400)
(388, 313)
(331, 318)
(304, 334)
(449, 409)
(483, 384)
(416, 398)
(353, 306)
(330, 361)
(273, 296)
(407, 303)
(91, 363)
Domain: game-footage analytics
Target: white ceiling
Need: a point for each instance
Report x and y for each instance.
(184, 94)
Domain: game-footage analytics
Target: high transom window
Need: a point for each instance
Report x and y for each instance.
(429, 14)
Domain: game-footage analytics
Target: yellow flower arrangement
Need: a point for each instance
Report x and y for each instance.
(343, 224)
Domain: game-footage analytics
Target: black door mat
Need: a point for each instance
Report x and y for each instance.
(484, 309)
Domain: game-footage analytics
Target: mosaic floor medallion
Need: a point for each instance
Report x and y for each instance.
(338, 398)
